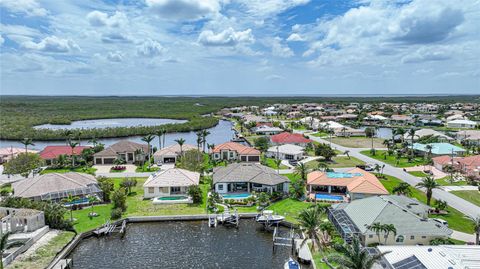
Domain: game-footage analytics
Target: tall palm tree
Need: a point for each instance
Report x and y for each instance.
(302, 171)
(72, 145)
(92, 199)
(148, 139)
(399, 132)
(278, 162)
(205, 133)
(389, 228)
(159, 134)
(429, 184)
(377, 228)
(211, 147)
(476, 228)
(68, 135)
(69, 200)
(4, 245)
(402, 188)
(93, 141)
(347, 152)
(27, 142)
(180, 142)
(164, 135)
(79, 136)
(344, 131)
(309, 221)
(411, 135)
(353, 256)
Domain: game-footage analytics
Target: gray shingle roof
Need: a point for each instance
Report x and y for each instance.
(248, 172)
(121, 147)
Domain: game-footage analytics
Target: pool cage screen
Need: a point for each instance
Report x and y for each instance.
(57, 196)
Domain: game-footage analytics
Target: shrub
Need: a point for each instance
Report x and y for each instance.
(196, 193)
(119, 199)
(116, 213)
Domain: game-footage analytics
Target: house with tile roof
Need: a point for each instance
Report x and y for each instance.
(356, 218)
(290, 138)
(173, 181)
(247, 177)
(286, 152)
(124, 149)
(354, 184)
(51, 153)
(232, 151)
(9, 153)
(438, 149)
(470, 165)
(171, 153)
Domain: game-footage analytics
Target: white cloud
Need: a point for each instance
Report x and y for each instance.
(2, 40)
(27, 7)
(52, 44)
(150, 48)
(184, 9)
(228, 37)
(274, 77)
(281, 50)
(115, 37)
(295, 38)
(425, 54)
(99, 19)
(19, 33)
(265, 8)
(115, 56)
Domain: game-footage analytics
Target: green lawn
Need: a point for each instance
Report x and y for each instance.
(471, 196)
(145, 168)
(446, 182)
(290, 208)
(456, 219)
(270, 162)
(402, 162)
(358, 142)
(337, 162)
(319, 134)
(417, 173)
(44, 254)
(88, 170)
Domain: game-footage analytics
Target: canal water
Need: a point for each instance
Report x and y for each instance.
(220, 133)
(382, 132)
(186, 244)
(109, 123)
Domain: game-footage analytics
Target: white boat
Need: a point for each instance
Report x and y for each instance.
(267, 217)
(291, 264)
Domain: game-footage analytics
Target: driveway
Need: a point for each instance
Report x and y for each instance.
(437, 174)
(463, 236)
(454, 201)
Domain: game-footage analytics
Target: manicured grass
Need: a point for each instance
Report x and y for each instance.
(358, 142)
(145, 168)
(456, 219)
(402, 162)
(471, 196)
(319, 134)
(290, 208)
(83, 223)
(45, 254)
(417, 173)
(337, 162)
(270, 162)
(446, 182)
(88, 170)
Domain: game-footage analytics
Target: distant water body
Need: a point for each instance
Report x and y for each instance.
(109, 123)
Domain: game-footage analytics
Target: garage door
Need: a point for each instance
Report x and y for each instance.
(168, 160)
(254, 158)
(108, 160)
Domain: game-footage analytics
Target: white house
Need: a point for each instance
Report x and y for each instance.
(286, 152)
(468, 124)
(266, 130)
(171, 153)
(173, 181)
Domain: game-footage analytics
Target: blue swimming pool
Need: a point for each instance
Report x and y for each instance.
(342, 175)
(320, 196)
(236, 195)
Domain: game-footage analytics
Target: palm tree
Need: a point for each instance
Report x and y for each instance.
(402, 188)
(27, 142)
(347, 152)
(377, 228)
(147, 139)
(92, 199)
(211, 147)
(389, 228)
(72, 145)
(399, 131)
(411, 134)
(353, 256)
(159, 134)
(79, 136)
(68, 135)
(93, 141)
(429, 184)
(322, 166)
(476, 228)
(180, 142)
(205, 133)
(344, 131)
(4, 245)
(301, 170)
(277, 163)
(309, 221)
(69, 200)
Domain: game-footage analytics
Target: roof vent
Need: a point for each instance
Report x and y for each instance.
(430, 249)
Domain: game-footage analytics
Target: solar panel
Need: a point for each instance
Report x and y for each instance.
(409, 263)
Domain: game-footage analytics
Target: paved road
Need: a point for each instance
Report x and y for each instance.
(454, 201)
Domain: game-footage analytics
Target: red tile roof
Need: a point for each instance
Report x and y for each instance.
(443, 160)
(52, 152)
(471, 162)
(239, 148)
(289, 138)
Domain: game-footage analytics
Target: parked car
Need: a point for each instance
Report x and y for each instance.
(441, 221)
(293, 162)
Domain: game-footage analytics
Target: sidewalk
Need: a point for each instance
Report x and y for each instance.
(463, 236)
(460, 188)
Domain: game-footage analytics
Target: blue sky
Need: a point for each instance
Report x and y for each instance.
(278, 47)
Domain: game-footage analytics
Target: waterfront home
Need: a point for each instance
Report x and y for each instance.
(290, 138)
(374, 119)
(128, 151)
(23, 220)
(56, 187)
(400, 120)
(171, 153)
(431, 257)
(420, 133)
(354, 184)
(266, 130)
(412, 228)
(247, 177)
(341, 130)
(471, 136)
(9, 153)
(467, 124)
(286, 152)
(232, 151)
(50, 153)
(173, 181)
(437, 149)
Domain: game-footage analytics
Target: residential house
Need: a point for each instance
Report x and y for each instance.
(420, 133)
(471, 136)
(440, 162)
(56, 187)
(438, 149)
(173, 181)
(232, 151)
(266, 130)
(286, 152)
(128, 151)
(470, 165)
(401, 120)
(7, 154)
(171, 153)
(467, 124)
(290, 138)
(51, 153)
(23, 220)
(247, 177)
(354, 184)
(408, 216)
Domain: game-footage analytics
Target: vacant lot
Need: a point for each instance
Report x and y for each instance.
(471, 196)
(337, 162)
(392, 159)
(358, 142)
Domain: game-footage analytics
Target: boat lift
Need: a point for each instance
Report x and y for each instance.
(225, 218)
(109, 228)
(285, 241)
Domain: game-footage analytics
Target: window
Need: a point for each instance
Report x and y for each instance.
(163, 189)
(175, 189)
(151, 189)
(399, 239)
(231, 154)
(412, 237)
(370, 236)
(424, 237)
(220, 187)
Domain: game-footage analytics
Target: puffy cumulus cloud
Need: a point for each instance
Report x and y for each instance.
(19, 33)
(295, 38)
(281, 50)
(52, 44)
(265, 8)
(115, 37)
(115, 56)
(425, 54)
(27, 7)
(99, 19)
(184, 9)
(150, 48)
(228, 37)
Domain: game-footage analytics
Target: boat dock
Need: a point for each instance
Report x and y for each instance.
(109, 228)
(283, 240)
(225, 218)
(63, 264)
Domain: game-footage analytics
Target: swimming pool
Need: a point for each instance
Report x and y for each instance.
(177, 199)
(342, 175)
(328, 197)
(236, 195)
(171, 198)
